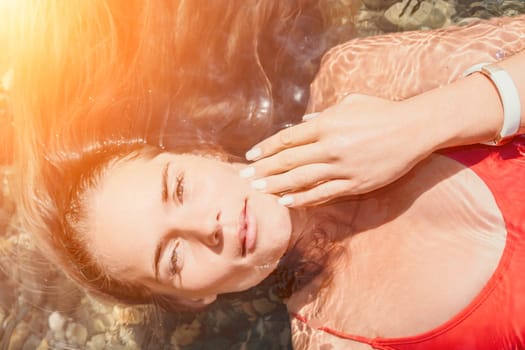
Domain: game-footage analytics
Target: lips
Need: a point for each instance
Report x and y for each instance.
(251, 229)
(243, 228)
(247, 233)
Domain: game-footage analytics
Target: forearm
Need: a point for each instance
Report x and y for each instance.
(401, 65)
(468, 110)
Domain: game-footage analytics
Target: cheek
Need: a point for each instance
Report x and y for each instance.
(243, 278)
(203, 270)
(210, 274)
(274, 223)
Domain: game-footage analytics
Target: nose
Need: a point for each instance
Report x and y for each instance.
(207, 229)
(210, 234)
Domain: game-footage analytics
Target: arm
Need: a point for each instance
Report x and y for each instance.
(468, 110)
(354, 146)
(401, 65)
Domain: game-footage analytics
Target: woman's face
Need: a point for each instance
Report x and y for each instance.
(185, 225)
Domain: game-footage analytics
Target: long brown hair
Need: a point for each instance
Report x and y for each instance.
(98, 80)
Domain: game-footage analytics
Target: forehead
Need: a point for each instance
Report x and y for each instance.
(122, 210)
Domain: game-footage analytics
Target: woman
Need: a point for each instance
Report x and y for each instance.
(343, 267)
(430, 259)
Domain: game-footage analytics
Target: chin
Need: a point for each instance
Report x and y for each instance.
(259, 273)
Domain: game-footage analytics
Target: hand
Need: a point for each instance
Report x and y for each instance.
(354, 147)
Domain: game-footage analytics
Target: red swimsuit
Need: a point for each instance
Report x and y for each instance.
(495, 319)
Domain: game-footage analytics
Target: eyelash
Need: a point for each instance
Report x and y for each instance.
(174, 259)
(179, 189)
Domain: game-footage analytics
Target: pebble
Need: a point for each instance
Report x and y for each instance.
(126, 335)
(263, 306)
(128, 315)
(186, 333)
(378, 4)
(132, 345)
(2, 316)
(260, 327)
(18, 336)
(101, 323)
(59, 335)
(43, 345)
(76, 333)
(249, 310)
(56, 322)
(284, 338)
(97, 342)
(112, 338)
(96, 305)
(427, 15)
(31, 343)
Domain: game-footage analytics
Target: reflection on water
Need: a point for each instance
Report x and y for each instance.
(40, 309)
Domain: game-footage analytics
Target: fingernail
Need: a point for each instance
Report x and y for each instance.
(259, 184)
(285, 200)
(253, 153)
(247, 172)
(310, 116)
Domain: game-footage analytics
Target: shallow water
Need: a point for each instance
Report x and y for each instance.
(40, 309)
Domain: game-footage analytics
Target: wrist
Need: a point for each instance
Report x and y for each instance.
(468, 111)
(509, 99)
(418, 125)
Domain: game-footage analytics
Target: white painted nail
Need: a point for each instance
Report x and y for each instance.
(247, 172)
(259, 184)
(286, 199)
(253, 153)
(309, 116)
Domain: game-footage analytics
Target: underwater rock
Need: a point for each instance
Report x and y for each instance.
(59, 335)
(56, 322)
(412, 15)
(378, 4)
(31, 343)
(131, 345)
(284, 337)
(101, 324)
(186, 333)
(18, 336)
(126, 335)
(97, 342)
(76, 333)
(128, 315)
(96, 305)
(43, 345)
(263, 306)
(249, 310)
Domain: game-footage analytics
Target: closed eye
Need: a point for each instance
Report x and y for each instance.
(175, 263)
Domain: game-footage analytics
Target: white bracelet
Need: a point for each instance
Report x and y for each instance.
(508, 93)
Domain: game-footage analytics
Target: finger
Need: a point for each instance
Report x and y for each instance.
(319, 194)
(287, 160)
(296, 135)
(309, 116)
(295, 179)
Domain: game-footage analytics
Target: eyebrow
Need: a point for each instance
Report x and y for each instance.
(164, 186)
(156, 259)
